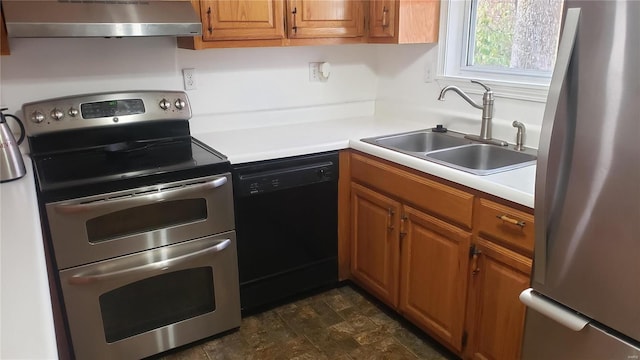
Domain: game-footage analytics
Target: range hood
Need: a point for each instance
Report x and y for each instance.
(112, 18)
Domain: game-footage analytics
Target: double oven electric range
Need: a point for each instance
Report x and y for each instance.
(138, 222)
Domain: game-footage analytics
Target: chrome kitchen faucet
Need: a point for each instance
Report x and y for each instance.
(487, 112)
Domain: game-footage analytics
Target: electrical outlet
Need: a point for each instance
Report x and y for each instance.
(319, 71)
(429, 75)
(189, 77)
(314, 72)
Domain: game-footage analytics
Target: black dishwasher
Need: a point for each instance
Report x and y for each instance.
(287, 224)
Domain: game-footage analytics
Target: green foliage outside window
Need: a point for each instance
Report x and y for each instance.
(516, 34)
(495, 21)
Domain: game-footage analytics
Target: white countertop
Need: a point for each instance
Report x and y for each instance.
(26, 321)
(247, 145)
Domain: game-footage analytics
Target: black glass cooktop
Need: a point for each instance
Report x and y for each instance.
(76, 164)
(121, 160)
(126, 165)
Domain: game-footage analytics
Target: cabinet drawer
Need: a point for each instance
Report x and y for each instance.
(444, 201)
(513, 228)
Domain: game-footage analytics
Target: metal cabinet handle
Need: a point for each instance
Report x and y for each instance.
(475, 254)
(108, 204)
(210, 28)
(511, 220)
(390, 219)
(403, 231)
(84, 279)
(385, 17)
(294, 27)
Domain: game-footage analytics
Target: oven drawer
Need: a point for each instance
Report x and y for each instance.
(142, 304)
(104, 226)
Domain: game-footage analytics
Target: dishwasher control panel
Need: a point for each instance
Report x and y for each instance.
(274, 175)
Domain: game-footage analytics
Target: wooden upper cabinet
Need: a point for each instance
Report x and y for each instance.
(310, 19)
(382, 18)
(404, 21)
(244, 23)
(237, 23)
(242, 19)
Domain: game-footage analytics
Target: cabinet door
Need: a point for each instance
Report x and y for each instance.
(382, 18)
(404, 21)
(325, 19)
(374, 243)
(434, 260)
(496, 315)
(242, 19)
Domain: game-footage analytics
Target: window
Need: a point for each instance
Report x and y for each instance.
(510, 44)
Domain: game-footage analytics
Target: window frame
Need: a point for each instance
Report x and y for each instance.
(452, 57)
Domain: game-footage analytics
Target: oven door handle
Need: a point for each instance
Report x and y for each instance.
(134, 200)
(137, 265)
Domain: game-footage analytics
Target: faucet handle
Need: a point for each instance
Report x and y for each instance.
(481, 84)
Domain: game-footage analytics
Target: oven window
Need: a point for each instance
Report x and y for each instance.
(145, 218)
(156, 302)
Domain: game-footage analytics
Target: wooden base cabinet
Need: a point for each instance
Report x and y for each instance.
(434, 261)
(374, 243)
(451, 260)
(409, 258)
(496, 316)
(500, 270)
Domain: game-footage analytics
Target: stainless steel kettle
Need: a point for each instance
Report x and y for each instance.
(11, 164)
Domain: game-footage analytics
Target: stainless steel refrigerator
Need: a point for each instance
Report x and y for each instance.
(585, 297)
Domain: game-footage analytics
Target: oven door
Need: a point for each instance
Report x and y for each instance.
(142, 304)
(94, 228)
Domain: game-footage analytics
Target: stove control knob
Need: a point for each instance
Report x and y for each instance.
(165, 104)
(180, 104)
(73, 112)
(37, 117)
(57, 114)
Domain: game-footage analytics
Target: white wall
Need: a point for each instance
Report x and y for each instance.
(254, 86)
(243, 82)
(403, 92)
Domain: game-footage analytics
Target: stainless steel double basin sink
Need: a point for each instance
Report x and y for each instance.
(452, 149)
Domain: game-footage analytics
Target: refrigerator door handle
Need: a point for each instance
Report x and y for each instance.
(546, 191)
(552, 310)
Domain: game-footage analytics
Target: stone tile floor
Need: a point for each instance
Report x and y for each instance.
(338, 324)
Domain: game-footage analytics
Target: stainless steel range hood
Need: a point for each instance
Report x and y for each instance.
(112, 18)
